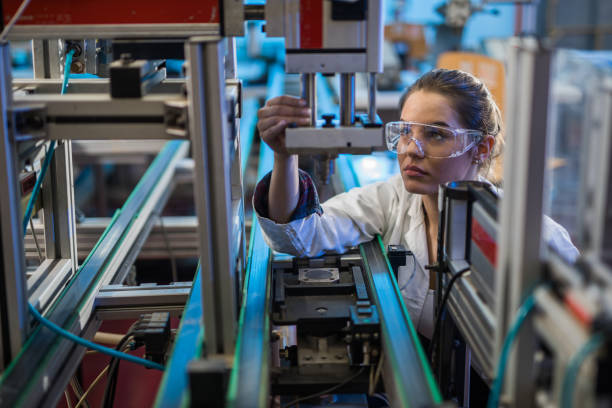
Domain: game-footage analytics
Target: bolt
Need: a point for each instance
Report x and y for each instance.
(307, 358)
(323, 358)
(338, 356)
(322, 310)
(77, 67)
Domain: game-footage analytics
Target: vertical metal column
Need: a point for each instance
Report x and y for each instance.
(210, 138)
(13, 310)
(372, 96)
(59, 207)
(46, 60)
(521, 206)
(309, 94)
(347, 99)
(238, 233)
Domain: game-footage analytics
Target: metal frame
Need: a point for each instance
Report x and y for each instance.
(519, 266)
(14, 314)
(211, 150)
(76, 305)
(109, 31)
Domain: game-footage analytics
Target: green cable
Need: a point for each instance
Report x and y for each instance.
(86, 343)
(522, 314)
(573, 368)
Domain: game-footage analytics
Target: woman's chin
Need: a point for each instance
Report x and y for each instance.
(419, 187)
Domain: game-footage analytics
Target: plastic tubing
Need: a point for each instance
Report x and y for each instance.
(522, 314)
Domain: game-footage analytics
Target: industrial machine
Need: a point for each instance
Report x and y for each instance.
(259, 328)
(491, 260)
(362, 338)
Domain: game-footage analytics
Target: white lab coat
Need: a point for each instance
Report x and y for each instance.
(384, 208)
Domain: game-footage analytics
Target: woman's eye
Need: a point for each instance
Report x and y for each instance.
(435, 135)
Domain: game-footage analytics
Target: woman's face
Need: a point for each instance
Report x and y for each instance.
(422, 175)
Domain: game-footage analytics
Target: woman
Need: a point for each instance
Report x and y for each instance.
(450, 129)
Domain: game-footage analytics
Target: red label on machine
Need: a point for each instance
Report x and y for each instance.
(311, 24)
(484, 242)
(61, 12)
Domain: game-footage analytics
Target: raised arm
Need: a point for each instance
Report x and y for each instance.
(274, 118)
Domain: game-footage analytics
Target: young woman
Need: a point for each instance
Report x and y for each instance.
(450, 129)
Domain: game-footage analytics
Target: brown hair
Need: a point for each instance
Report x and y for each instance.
(471, 100)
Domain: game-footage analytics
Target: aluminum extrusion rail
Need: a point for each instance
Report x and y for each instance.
(29, 376)
(250, 378)
(410, 382)
(173, 390)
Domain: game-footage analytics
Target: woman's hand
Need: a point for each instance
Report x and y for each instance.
(274, 118)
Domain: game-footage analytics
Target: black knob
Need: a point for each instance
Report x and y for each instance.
(329, 119)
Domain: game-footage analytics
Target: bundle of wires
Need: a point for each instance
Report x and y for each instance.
(113, 371)
(436, 333)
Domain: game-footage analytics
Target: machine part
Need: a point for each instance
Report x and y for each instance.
(208, 382)
(250, 379)
(318, 275)
(13, 314)
(329, 120)
(154, 331)
(349, 11)
(28, 122)
(519, 266)
(149, 49)
(90, 117)
(232, 16)
(176, 119)
(184, 19)
(309, 94)
(347, 99)
(469, 231)
(340, 139)
(113, 296)
(186, 347)
(134, 78)
(254, 12)
(397, 257)
(372, 116)
(408, 378)
(74, 309)
(211, 146)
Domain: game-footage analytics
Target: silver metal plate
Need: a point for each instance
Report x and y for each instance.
(319, 275)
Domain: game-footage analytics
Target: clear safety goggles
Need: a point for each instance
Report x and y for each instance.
(433, 141)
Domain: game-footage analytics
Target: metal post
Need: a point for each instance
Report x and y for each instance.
(347, 99)
(13, 311)
(230, 59)
(372, 97)
(210, 144)
(46, 59)
(521, 207)
(309, 94)
(59, 207)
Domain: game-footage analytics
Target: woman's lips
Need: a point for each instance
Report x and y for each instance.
(414, 171)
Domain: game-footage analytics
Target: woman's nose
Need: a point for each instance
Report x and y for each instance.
(412, 147)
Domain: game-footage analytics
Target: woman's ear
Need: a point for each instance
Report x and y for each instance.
(485, 148)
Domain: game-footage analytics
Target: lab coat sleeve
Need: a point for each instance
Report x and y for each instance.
(343, 221)
(559, 239)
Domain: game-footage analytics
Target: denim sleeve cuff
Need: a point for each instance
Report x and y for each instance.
(308, 202)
